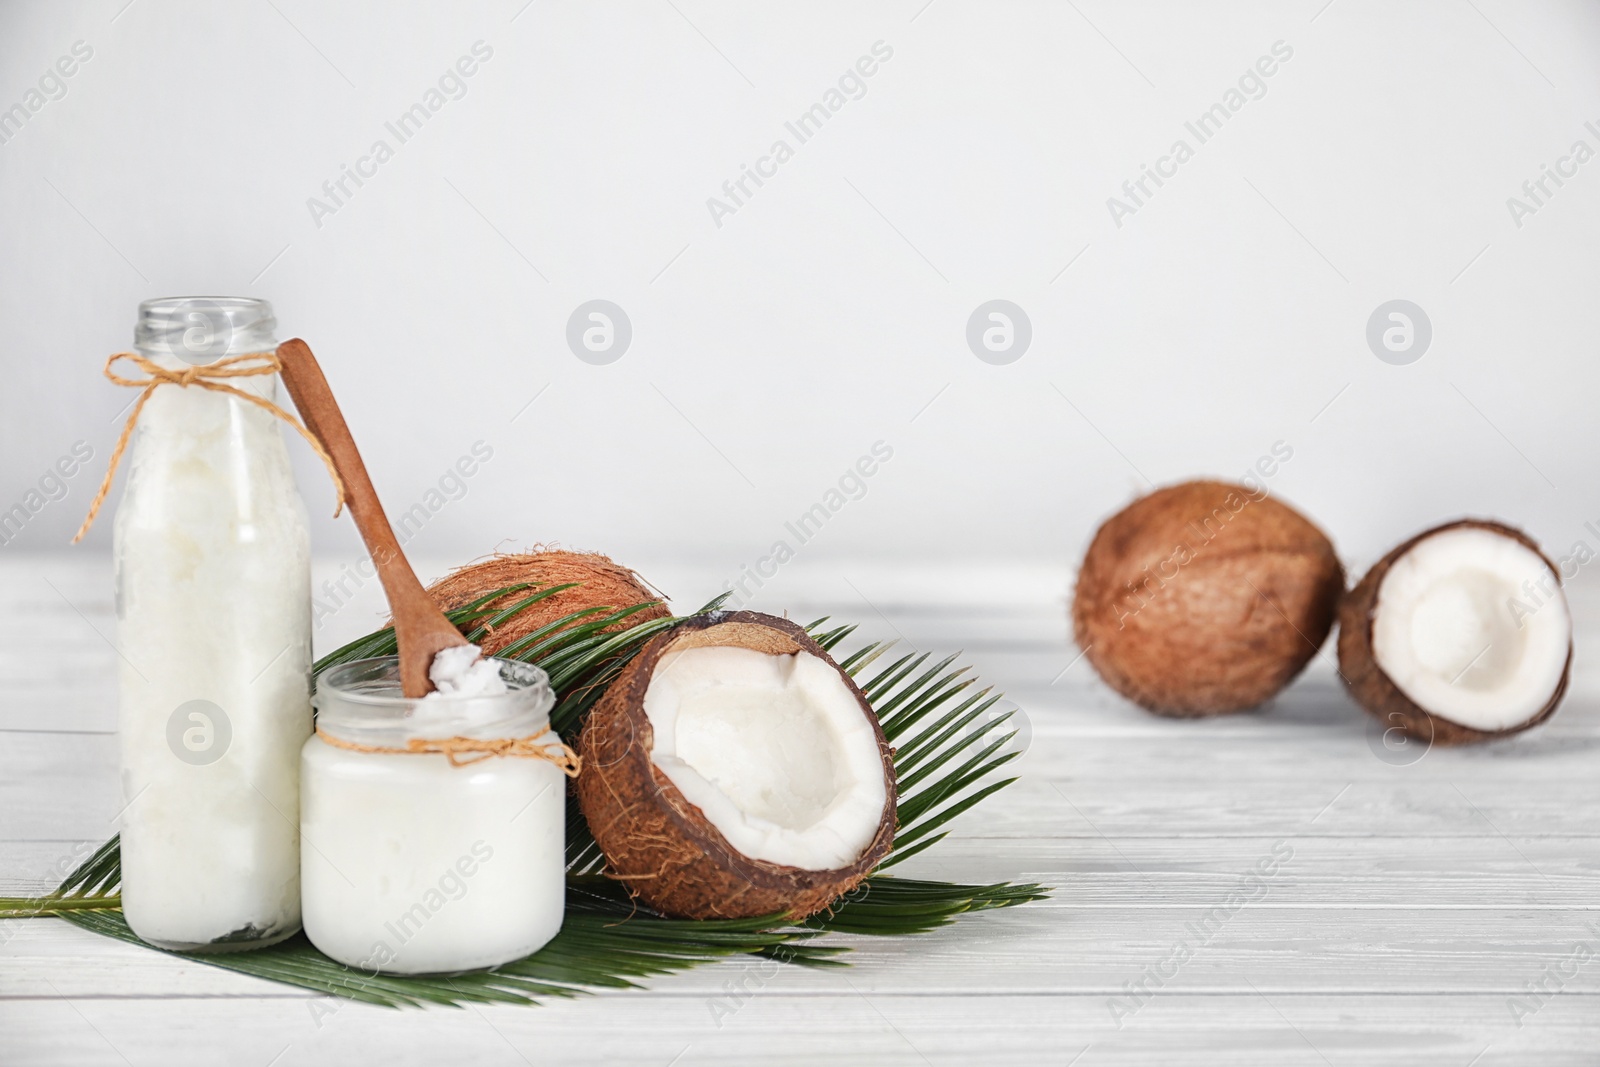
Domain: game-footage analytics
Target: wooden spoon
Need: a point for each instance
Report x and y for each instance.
(420, 628)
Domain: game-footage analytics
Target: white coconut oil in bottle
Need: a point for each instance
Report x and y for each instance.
(213, 597)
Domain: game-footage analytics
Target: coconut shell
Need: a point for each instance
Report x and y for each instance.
(1376, 692)
(604, 584)
(661, 846)
(1205, 598)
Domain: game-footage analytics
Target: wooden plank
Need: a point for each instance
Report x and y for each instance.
(1323, 872)
(1108, 950)
(1236, 1030)
(64, 787)
(1409, 874)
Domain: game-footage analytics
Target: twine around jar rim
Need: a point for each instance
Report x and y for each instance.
(475, 749)
(206, 376)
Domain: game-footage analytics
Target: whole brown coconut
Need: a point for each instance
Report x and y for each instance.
(1378, 694)
(1205, 598)
(661, 846)
(603, 584)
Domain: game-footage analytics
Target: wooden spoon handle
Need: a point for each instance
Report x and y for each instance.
(421, 629)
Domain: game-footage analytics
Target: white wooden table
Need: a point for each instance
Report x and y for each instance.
(1417, 903)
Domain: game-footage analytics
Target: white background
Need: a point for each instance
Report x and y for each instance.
(830, 311)
(1428, 889)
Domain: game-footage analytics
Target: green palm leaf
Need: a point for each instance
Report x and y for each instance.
(948, 751)
(91, 887)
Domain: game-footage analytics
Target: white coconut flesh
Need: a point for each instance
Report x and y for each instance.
(774, 750)
(1472, 627)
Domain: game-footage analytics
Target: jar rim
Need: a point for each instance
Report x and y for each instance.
(362, 700)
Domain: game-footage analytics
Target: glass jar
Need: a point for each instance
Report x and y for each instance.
(421, 862)
(213, 601)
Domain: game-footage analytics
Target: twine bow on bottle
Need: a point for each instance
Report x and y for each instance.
(210, 376)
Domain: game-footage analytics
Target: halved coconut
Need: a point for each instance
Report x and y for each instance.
(1461, 634)
(733, 769)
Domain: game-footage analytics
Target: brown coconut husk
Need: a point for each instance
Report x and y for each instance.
(662, 847)
(1376, 692)
(605, 583)
(1205, 598)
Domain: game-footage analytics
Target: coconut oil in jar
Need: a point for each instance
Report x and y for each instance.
(431, 861)
(213, 599)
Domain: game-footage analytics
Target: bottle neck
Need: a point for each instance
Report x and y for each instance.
(194, 331)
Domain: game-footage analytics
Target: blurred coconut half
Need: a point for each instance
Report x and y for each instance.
(1461, 634)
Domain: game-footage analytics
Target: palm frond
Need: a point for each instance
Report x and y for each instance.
(92, 886)
(604, 943)
(884, 906)
(948, 751)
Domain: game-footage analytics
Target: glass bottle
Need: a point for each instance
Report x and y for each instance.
(213, 599)
(414, 864)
